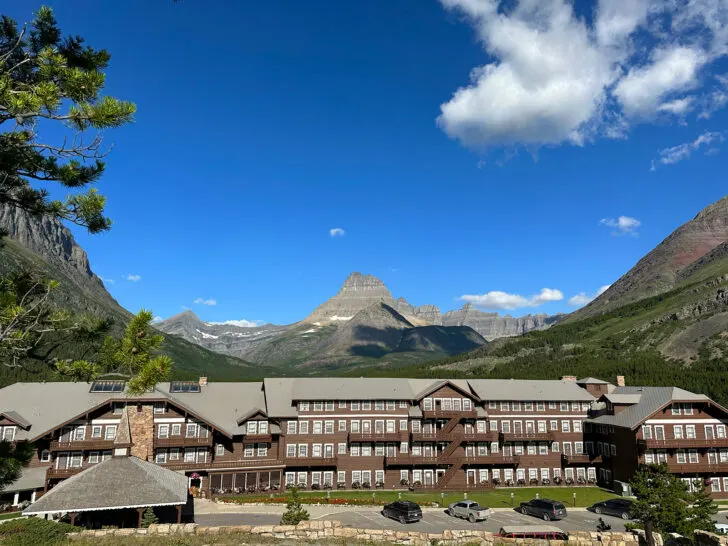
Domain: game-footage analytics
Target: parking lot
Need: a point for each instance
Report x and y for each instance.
(433, 521)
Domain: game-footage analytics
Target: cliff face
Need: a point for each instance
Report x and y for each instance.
(492, 325)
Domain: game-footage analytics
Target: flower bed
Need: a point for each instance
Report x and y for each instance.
(338, 501)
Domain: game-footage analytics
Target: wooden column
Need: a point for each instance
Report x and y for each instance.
(179, 513)
(141, 512)
(73, 518)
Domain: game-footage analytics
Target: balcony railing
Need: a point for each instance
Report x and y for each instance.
(449, 414)
(182, 441)
(473, 436)
(400, 436)
(436, 436)
(694, 443)
(257, 438)
(694, 468)
(232, 465)
(407, 459)
(310, 461)
(526, 436)
(581, 458)
(82, 445)
(494, 458)
(52, 473)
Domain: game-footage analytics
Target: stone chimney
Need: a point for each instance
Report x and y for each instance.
(620, 381)
(141, 424)
(569, 378)
(203, 381)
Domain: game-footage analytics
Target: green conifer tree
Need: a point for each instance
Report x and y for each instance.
(295, 513)
(149, 517)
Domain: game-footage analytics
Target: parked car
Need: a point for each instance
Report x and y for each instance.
(721, 528)
(469, 510)
(544, 508)
(403, 511)
(542, 532)
(613, 507)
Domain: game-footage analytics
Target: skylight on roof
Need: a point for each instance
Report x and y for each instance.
(184, 386)
(107, 386)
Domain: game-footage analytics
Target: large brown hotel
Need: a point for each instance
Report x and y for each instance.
(348, 433)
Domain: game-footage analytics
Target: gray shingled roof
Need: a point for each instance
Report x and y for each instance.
(31, 478)
(616, 398)
(342, 388)
(278, 397)
(119, 482)
(15, 417)
(651, 399)
(529, 390)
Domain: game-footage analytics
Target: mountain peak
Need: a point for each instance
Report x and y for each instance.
(187, 315)
(358, 292)
(357, 281)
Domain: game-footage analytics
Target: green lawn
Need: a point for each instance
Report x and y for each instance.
(10, 515)
(493, 498)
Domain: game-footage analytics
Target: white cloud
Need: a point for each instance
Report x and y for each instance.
(109, 281)
(557, 77)
(202, 301)
(504, 300)
(241, 323)
(157, 319)
(674, 154)
(337, 232)
(134, 278)
(583, 298)
(623, 225)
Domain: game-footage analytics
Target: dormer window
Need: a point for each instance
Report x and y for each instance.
(184, 386)
(107, 386)
(8, 433)
(159, 407)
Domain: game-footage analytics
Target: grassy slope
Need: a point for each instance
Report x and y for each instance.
(626, 341)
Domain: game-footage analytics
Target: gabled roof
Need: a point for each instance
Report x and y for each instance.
(529, 390)
(617, 398)
(459, 385)
(16, 418)
(30, 478)
(251, 413)
(118, 482)
(278, 397)
(591, 381)
(650, 400)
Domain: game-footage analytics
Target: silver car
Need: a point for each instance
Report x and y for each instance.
(469, 510)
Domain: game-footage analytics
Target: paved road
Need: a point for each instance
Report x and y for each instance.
(432, 521)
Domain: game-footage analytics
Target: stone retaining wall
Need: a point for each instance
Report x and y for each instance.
(322, 530)
(704, 538)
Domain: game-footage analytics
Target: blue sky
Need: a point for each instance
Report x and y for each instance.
(461, 152)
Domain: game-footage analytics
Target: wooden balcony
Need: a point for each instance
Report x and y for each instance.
(581, 458)
(257, 439)
(62, 473)
(182, 441)
(400, 436)
(491, 436)
(310, 461)
(82, 445)
(682, 443)
(449, 414)
(222, 465)
(407, 459)
(526, 436)
(436, 436)
(695, 468)
(493, 459)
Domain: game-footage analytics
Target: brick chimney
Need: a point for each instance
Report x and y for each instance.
(568, 378)
(203, 381)
(620, 381)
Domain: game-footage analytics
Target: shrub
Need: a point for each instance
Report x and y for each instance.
(545, 481)
(521, 481)
(315, 487)
(21, 532)
(509, 483)
(557, 480)
(496, 481)
(149, 517)
(366, 485)
(569, 481)
(355, 485)
(533, 481)
(341, 485)
(404, 481)
(295, 513)
(580, 480)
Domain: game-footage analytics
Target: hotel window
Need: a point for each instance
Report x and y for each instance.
(647, 432)
(379, 405)
(493, 425)
(677, 432)
(355, 427)
(341, 476)
(613, 450)
(342, 449)
(589, 447)
(303, 450)
(390, 404)
(427, 404)
(45, 456)
(403, 404)
(366, 450)
(366, 405)
(709, 432)
(543, 449)
(519, 448)
(416, 426)
(93, 457)
(329, 405)
(492, 404)
(117, 408)
(290, 450)
(342, 404)
(219, 450)
(542, 426)
(417, 449)
(516, 406)
(553, 424)
(540, 406)
(342, 425)
(191, 430)
(403, 447)
(482, 449)
(481, 426)
(329, 428)
(723, 454)
(555, 447)
(355, 450)
(379, 450)
(403, 424)
(577, 426)
(318, 405)
(317, 427)
(457, 404)
(649, 456)
(355, 405)
(690, 432)
(565, 426)
(96, 431)
(676, 409)
(578, 448)
(291, 427)
(506, 426)
(159, 407)
(189, 456)
(391, 425)
(693, 456)
(248, 450)
(687, 409)
(552, 405)
(494, 447)
(303, 427)
(174, 454)
(262, 427)
(316, 450)
(303, 406)
(564, 406)
(163, 431)
(110, 432)
(446, 404)
(160, 459)
(176, 429)
(725, 484)
(680, 455)
(315, 478)
(715, 485)
(356, 476)
(252, 427)
(303, 478)
(575, 406)
(467, 404)
(528, 406)
(504, 406)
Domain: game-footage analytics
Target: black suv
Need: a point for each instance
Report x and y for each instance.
(403, 511)
(544, 508)
(614, 507)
